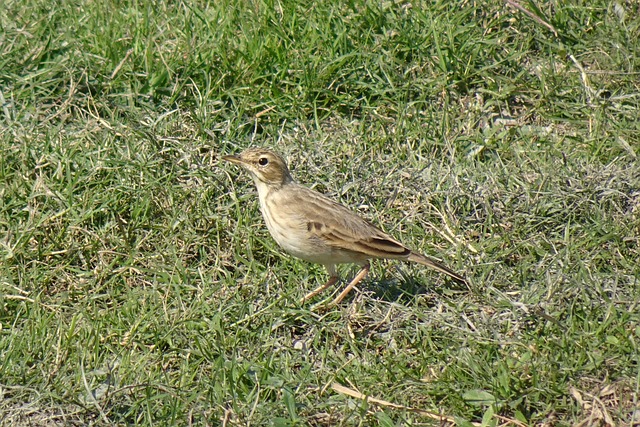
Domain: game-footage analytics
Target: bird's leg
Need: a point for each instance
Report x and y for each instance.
(333, 278)
(361, 275)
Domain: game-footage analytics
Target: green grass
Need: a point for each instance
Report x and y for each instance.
(138, 283)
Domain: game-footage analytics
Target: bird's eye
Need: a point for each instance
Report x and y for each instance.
(263, 161)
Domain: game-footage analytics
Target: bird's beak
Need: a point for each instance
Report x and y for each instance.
(233, 159)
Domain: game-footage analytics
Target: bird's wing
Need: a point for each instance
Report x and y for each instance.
(341, 228)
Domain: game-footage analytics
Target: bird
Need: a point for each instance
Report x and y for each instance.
(313, 227)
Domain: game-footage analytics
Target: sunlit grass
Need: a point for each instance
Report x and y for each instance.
(138, 283)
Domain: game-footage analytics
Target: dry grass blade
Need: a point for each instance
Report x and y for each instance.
(356, 394)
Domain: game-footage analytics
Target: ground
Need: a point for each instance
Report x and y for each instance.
(139, 285)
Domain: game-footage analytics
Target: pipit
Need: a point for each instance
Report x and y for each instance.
(310, 226)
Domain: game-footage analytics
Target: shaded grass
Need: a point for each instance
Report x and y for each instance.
(139, 285)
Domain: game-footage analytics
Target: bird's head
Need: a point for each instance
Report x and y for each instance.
(264, 165)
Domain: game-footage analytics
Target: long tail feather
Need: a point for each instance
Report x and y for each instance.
(430, 262)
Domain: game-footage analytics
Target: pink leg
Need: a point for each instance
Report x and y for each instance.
(361, 275)
(332, 281)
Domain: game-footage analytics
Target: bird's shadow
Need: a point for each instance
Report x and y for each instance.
(405, 287)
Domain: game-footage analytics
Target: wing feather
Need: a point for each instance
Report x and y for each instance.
(341, 228)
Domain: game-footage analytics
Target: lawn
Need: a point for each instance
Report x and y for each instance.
(139, 284)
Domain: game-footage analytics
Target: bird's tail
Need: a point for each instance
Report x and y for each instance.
(430, 262)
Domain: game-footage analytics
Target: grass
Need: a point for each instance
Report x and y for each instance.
(138, 283)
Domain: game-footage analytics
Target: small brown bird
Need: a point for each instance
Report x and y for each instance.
(313, 227)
